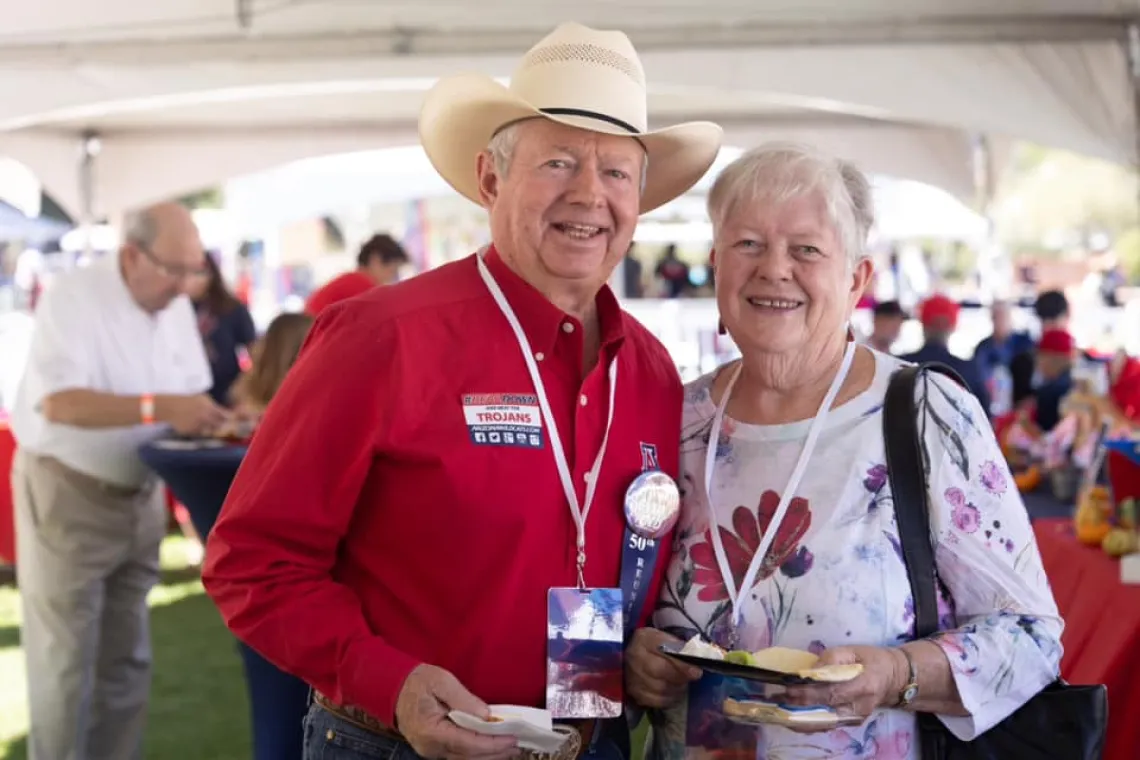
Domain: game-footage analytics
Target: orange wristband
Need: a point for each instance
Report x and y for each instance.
(146, 408)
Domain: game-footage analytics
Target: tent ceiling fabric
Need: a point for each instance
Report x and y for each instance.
(183, 94)
(53, 21)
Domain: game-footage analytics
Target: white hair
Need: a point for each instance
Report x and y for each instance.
(502, 149)
(140, 228)
(778, 172)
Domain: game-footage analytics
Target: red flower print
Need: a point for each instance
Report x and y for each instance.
(741, 543)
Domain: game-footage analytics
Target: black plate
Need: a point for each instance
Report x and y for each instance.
(733, 670)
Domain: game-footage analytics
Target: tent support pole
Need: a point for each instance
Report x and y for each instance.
(988, 258)
(89, 150)
(244, 12)
(1134, 76)
(983, 177)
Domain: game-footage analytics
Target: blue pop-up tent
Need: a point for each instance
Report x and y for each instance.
(35, 232)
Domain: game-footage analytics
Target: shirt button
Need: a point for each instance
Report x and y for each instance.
(539, 356)
(567, 327)
(583, 400)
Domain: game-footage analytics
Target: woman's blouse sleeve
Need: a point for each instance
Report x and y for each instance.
(1003, 636)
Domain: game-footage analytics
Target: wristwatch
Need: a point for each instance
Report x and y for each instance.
(909, 692)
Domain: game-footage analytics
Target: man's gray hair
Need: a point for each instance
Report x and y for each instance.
(777, 172)
(140, 228)
(502, 149)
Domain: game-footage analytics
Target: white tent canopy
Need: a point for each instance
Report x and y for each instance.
(187, 93)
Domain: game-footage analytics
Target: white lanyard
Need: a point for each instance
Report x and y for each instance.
(578, 511)
(816, 428)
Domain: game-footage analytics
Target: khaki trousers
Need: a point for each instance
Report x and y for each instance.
(87, 555)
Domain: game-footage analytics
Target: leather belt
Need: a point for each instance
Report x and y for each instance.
(83, 481)
(578, 733)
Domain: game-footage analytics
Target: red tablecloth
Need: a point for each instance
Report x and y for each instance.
(1102, 628)
(7, 517)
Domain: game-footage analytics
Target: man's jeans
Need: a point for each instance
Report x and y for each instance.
(328, 737)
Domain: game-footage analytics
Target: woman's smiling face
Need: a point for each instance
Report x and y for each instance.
(783, 278)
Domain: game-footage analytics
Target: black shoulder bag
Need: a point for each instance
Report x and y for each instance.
(1062, 722)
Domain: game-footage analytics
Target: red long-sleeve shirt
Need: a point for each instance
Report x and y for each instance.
(371, 528)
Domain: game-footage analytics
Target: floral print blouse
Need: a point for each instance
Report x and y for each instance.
(834, 574)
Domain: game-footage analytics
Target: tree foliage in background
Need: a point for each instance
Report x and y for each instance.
(211, 197)
(1060, 201)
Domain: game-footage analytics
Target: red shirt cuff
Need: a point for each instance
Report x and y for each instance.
(372, 675)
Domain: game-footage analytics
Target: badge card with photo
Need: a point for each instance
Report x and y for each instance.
(584, 653)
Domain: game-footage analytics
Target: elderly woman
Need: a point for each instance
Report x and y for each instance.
(795, 430)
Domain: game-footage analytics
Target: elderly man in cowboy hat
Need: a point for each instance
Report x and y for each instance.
(436, 514)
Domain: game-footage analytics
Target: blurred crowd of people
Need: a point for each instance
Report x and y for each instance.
(672, 276)
(1039, 391)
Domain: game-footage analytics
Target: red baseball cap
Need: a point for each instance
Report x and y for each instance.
(937, 309)
(1056, 342)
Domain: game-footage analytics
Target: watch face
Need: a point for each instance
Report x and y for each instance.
(909, 693)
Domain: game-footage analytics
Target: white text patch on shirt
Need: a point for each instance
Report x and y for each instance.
(503, 419)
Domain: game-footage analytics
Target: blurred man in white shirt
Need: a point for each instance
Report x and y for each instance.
(116, 360)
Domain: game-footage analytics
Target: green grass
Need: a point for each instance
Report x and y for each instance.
(198, 706)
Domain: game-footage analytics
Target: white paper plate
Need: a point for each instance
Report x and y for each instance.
(782, 715)
(533, 727)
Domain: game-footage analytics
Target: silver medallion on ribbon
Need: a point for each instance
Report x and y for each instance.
(652, 504)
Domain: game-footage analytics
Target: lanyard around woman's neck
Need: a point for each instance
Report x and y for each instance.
(736, 595)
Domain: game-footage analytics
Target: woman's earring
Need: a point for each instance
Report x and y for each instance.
(720, 327)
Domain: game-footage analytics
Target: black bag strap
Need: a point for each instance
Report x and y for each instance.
(906, 470)
(907, 473)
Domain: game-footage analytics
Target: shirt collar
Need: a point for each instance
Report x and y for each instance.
(126, 302)
(541, 320)
(112, 265)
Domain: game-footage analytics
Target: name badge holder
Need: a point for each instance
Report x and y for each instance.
(584, 625)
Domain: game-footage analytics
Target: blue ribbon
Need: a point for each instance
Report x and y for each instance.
(638, 559)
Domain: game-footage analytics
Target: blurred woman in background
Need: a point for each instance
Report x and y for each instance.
(226, 326)
(228, 332)
(273, 355)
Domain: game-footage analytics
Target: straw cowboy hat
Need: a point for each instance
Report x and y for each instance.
(577, 76)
